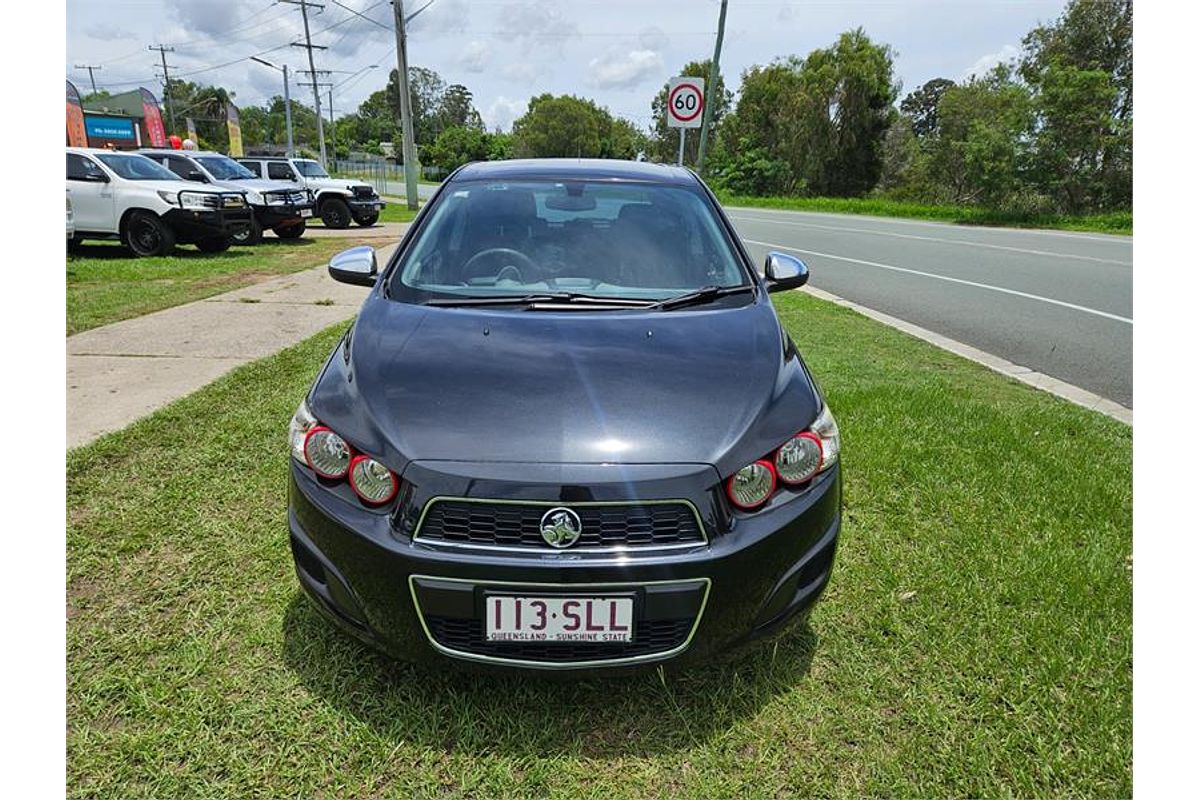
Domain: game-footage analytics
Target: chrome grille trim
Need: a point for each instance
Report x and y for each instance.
(581, 588)
(609, 549)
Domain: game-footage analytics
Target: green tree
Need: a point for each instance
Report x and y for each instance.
(1080, 69)
(983, 149)
(457, 109)
(456, 146)
(664, 141)
(560, 126)
(921, 107)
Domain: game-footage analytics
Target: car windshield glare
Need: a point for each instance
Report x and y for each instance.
(223, 168)
(603, 238)
(133, 167)
(311, 169)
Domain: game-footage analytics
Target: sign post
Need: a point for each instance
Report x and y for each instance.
(685, 106)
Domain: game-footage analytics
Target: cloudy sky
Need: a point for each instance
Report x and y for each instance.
(616, 51)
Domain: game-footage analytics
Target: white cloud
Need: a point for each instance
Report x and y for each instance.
(652, 38)
(984, 63)
(108, 33)
(444, 17)
(475, 56)
(519, 71)
(502, 112)
(617, 70)
(537, 25)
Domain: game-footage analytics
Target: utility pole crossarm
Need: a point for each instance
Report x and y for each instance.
(91, 68)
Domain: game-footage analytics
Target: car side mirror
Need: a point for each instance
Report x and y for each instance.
(197, 175)
(356, 266)
(784, 272)
(95, 177)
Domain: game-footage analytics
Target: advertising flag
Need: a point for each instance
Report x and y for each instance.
(76, 131)
(235, 130)
(153, 120)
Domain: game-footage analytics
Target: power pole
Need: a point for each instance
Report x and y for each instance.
(714, 68)
(162, 51)
(332, 127)
(91, 74)
(317, 86)
(312, 68)
(406, 121)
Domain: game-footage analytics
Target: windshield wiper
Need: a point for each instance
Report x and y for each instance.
(541, 297)
(705, 294)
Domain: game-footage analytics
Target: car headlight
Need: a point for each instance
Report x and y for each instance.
(198, 200)
(169, 197)
(302, 422)
(254, 198)
(794, 463)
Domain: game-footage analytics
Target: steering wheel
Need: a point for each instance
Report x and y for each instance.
(491, 252)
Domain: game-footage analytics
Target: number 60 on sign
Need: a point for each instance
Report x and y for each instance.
(685, 102)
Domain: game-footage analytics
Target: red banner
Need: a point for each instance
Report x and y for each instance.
(76, 130)
(152, 118)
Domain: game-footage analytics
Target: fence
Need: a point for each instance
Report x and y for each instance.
(386, 177)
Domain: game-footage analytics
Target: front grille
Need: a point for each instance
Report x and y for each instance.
(233, 201)
(363, 192)
(650, 637)
(286, 197)
(519, 526)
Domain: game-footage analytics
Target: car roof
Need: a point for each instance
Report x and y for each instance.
(578, 168)
(90, 150)
(169, 151)
(271, 158)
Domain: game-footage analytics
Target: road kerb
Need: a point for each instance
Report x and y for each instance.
(1038, 380)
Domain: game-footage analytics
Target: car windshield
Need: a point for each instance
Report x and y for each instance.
(311, 169)
(136, 168)
(610, 239)
(224, 168)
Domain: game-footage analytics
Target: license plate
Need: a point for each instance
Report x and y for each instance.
(559, 619)
(306, 212)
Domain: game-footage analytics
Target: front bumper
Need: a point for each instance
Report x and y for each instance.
(421, 602)
(193, 225)
(276, 215)
(365, 206)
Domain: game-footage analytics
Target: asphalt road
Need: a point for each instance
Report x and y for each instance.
(1056, 302)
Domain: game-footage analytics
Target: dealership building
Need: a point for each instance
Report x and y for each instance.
(124, 121)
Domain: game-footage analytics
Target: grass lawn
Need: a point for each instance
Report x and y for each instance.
(975, 640)
(1120, 222)
(392, 212)
(105, 283)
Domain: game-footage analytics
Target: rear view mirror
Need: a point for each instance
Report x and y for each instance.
(784, 272)
(355, 266)
(568, 202)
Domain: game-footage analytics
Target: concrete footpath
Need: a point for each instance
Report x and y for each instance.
(121, 372)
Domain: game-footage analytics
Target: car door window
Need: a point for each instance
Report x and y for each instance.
(253, 166)
(180, 166)
(279, 171)
(79, 168)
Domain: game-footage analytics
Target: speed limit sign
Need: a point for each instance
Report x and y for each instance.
(685, 102)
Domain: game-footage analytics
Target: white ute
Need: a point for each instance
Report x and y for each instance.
(127, 196)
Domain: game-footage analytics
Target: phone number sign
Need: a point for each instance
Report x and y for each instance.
(685, 102)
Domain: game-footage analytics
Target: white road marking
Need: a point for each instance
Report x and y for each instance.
(1111, 238)
(1038, 380)
(935, 276)
(934, 239)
